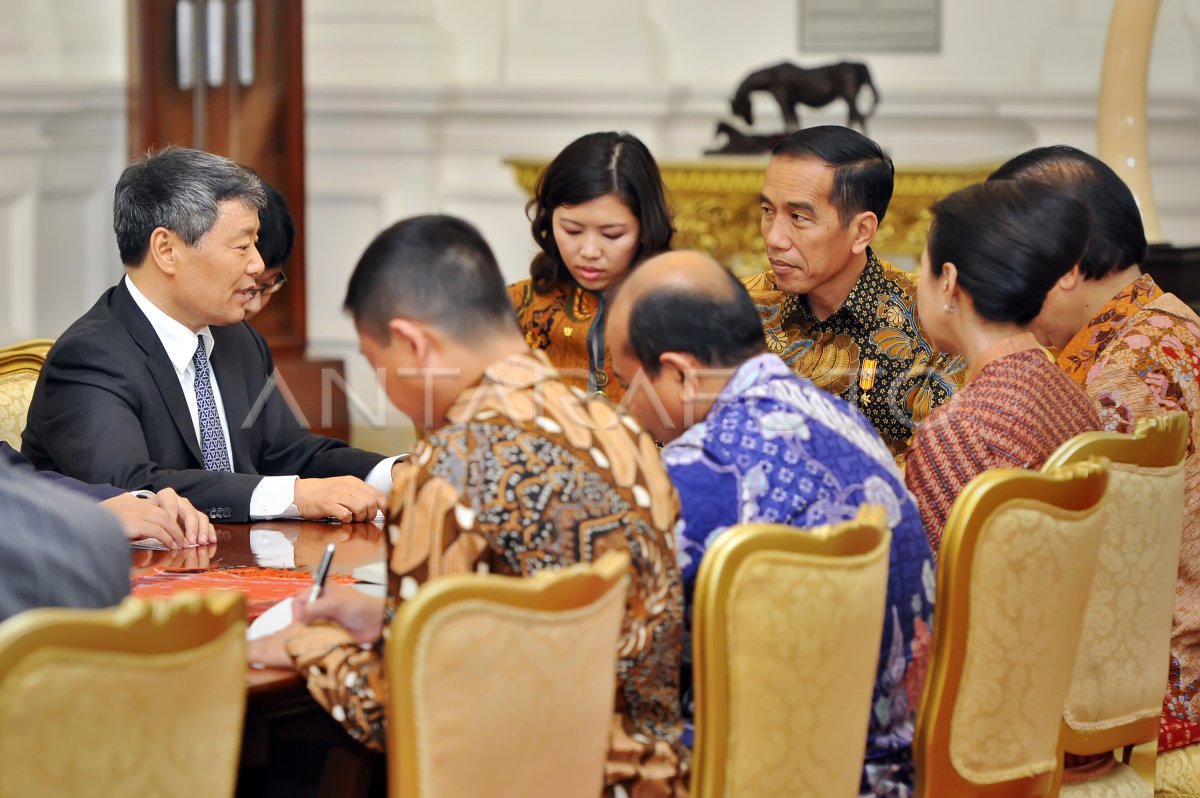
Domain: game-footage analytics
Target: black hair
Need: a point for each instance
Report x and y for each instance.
(1118, 237)
(434, 268)
(863, 173)
(1010, 240)
(720, 331)
(590, 167)
(276, 230)
(178, 189)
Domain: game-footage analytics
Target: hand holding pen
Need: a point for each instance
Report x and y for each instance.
(359, 614)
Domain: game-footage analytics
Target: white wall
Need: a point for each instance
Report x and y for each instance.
(413, 104)
(421, 115)
(62, 146)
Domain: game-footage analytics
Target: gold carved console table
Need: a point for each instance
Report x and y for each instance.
(717, 210)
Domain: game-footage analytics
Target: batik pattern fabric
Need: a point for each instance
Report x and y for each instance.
(560, 323)
(1014, 413)
(529, 475)
(872, 351)
(775, 448)
(1139, 356)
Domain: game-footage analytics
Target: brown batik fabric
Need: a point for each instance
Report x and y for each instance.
(532, 474)
(559, 323)
(872, 351)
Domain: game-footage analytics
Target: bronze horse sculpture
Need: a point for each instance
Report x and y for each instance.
(739, 143)
(791, 85)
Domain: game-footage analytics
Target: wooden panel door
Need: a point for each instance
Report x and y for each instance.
(227, 76)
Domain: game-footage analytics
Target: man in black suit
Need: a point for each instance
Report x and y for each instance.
(21, 463)
(162, 384)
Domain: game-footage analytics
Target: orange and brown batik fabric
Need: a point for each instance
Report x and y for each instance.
(559, 323)
(1140, 356)
(871, 352)
(532, 474)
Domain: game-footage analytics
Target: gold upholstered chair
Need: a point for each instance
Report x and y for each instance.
(1016, 565)
(505, 686)
(785, 714)
(20, 365)
(1116, 693)
(146, 698)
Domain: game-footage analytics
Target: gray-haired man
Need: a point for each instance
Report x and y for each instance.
(161, 384)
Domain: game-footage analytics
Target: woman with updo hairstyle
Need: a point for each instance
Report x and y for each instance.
(599, 209)
(994, 251)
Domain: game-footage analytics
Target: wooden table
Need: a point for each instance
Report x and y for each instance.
(356, 544)
(282, 719)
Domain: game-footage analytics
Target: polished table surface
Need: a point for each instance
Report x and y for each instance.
(288, 739)
(356, 544)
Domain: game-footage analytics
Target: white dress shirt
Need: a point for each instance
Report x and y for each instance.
(273, 497)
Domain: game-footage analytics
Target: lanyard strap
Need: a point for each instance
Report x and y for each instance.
(597, 377)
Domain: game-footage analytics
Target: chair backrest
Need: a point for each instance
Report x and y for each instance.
(786, 628)
(20, 365)
(146, 698)
(1116, 692)
(1016, 566)
(505, 686)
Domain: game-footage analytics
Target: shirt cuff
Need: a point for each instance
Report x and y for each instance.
(380, 477)
(306, 647)
(274, 497)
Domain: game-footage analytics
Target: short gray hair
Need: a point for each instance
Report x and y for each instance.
(179, 189)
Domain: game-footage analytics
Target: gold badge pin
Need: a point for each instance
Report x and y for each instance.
(568, 332)
(866, 378)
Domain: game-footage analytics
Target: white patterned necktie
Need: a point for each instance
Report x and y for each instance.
(212, 436)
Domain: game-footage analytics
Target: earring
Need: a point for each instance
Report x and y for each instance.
(949, 308)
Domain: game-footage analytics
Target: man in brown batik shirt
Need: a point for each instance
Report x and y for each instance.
(517, 473)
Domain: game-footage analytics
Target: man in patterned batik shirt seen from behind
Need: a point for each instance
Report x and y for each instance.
(1135, 350)
(831, 308)
(434, 319)
(748, 440)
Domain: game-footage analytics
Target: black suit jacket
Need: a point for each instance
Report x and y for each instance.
(21, 463)
(108, 407)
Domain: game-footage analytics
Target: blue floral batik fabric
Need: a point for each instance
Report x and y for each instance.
(775, 448)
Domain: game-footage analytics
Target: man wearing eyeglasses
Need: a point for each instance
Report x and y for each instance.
(162, 384)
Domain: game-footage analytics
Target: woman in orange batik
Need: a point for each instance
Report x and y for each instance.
(598, 210)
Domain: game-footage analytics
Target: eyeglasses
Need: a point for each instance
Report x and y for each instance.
(267, 290)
